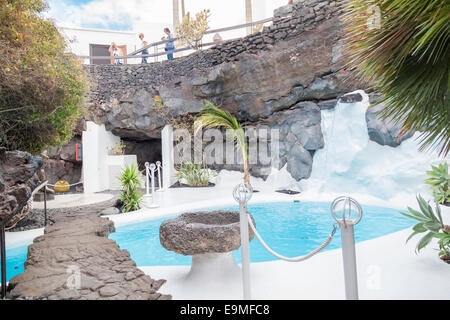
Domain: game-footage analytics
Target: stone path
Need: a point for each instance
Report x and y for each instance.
(74, 259)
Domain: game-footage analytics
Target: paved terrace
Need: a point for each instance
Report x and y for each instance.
(77, 242)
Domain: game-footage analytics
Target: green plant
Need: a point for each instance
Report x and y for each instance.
(118, 149)
(191, 31)
(444, 244)
(212, 117)
(130, 196)
(195, 174)
(439, 180)
(429, 222)
(402, 49)
(42, 87)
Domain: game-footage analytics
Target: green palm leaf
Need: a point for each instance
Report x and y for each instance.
(407, 60)
(212, 117)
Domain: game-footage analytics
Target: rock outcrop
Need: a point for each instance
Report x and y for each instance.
(18, 179)
(62, 164)
(385, 131)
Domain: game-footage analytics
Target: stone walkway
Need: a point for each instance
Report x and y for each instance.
(74, 259)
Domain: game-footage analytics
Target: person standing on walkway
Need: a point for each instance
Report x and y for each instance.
(143, 44)
(170, 46)
(114, 51)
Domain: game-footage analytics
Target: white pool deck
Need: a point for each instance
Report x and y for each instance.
(387, 268)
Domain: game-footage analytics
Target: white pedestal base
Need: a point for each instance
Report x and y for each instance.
(148, 202)
(217, 267)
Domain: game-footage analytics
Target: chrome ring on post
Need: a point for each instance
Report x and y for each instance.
(348, 204)
(242, 192)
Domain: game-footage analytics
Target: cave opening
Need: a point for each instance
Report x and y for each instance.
(145, 150)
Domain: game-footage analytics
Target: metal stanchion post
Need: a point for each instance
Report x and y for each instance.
(151, 168)
(45, 205)
(3, 260)
(346, 225)
(158, 167)
(242, 194)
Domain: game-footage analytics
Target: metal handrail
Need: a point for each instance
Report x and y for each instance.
(133, 55)
(150, 55)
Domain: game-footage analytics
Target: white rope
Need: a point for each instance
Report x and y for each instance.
(295, 259)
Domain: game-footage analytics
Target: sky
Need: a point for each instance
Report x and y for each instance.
(138, 15)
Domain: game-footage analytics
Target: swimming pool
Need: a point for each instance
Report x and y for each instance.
(290, 228)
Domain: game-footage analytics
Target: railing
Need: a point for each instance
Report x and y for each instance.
(134, 54)
(3, 224)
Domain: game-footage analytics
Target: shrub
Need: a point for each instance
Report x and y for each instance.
(130, 196)
(191, 31)
(430, 223)
(42, 88)
(439, 180)
(195, 174)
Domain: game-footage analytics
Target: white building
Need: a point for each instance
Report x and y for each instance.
(95, 42)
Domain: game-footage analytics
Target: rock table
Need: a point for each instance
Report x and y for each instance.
(209, 237)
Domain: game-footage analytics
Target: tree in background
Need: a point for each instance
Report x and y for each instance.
(191, 30)
(42, 88)
(402, 48)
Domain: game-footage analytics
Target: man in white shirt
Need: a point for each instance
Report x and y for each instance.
(143, 44)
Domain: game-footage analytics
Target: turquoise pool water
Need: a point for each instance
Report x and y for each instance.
(290, 228)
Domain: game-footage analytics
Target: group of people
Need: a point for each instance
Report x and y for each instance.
(169, 46)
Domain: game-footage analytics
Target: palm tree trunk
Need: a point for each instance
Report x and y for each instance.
(248, 15)
(183, 11)
(176, 13)
(246, 172)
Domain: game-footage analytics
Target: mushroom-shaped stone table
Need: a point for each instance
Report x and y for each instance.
(209, 237)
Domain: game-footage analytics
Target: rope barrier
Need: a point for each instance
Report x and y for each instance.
(295, 259)
(70, 185)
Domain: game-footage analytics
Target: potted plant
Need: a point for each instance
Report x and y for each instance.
(195, 174)
(439, 181)
(444, 245)
(430, 222)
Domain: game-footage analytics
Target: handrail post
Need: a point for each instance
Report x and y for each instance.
(3, 260)
(45, 205)
(242, 193)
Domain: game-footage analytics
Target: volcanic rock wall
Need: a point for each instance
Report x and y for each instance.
(280, 77)
(18, 179)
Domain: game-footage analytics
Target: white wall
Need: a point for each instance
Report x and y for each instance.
(96, 141)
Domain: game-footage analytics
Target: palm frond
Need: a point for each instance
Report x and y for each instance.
(407, 60)
(213, 117)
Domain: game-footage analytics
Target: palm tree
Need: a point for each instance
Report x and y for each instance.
(212, 117)
(248, 15)
(406, 58)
